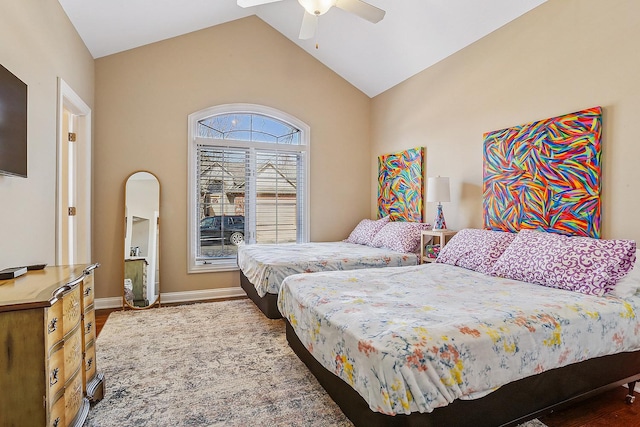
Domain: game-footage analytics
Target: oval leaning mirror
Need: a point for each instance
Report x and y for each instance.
(141, 241)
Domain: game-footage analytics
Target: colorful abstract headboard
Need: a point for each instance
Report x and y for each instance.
(401, 185)
(545, 175)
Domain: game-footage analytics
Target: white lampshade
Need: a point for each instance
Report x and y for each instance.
(438, 189)
(316, 7)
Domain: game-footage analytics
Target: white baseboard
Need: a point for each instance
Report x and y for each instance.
(174, 297)
(112, 302)
(188, 296)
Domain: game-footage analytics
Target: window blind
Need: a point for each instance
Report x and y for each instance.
(265, 186)
(276, 207)
(221, 187)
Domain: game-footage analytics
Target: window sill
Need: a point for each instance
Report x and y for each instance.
(214, 267)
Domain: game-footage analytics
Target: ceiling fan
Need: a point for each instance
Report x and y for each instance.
(315, 8)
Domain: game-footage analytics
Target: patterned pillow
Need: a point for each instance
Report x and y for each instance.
(475, 249)
(366, 230)
(581, 264)
(629, 285)
(400, 236)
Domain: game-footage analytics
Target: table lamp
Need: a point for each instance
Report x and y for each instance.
(438, 191)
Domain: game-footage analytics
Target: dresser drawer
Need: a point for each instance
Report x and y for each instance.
(89, 325)
(88, 291)
(56, 415)
(72, 353)
(73, 398)
(72, 309)
(56, 372)
(90, 362)
(54, 324)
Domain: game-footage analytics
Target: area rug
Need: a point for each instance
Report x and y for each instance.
(208, 364)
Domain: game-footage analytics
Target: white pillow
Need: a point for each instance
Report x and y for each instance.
(629, 284)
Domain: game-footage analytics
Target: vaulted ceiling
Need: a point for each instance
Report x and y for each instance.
(413, 35)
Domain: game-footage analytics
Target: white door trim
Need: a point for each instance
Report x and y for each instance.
(69, 100)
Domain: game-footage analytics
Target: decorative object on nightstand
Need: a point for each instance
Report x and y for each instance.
(439, 238)
(438, 191)
(432, 251)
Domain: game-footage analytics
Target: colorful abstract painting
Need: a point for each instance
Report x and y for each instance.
(401, 185)
(545, 175)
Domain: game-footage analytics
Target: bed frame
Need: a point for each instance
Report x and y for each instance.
(510, 405)
(268, 304)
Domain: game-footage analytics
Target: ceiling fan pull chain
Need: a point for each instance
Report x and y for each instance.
(317, 30)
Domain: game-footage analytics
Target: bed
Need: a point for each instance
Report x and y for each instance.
(442, 344)
(264, 267)
(391, 240)
(508, 323)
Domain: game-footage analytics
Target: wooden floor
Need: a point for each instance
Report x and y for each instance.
(606, 410)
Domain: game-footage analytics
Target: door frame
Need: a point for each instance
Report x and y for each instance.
(69, 100)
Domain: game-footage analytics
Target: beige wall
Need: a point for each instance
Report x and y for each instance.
(143, 98)
(38, 44)
(563, 56)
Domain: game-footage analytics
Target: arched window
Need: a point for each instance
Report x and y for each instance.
(248, 179)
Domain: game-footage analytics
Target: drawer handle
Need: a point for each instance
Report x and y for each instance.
(88, 328)
(87, 271)
(53, 378)
(89, 363)
(53, 325)
(87, 291)
(56, 422)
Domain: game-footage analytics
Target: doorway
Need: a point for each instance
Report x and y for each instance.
(73, 200)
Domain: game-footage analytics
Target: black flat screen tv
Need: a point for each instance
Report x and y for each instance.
(13, 125)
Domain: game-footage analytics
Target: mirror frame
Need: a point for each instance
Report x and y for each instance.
(125, 303)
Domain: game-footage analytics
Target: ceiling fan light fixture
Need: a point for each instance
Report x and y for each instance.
(317, 7)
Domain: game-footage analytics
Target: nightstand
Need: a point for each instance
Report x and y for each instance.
(439, 237)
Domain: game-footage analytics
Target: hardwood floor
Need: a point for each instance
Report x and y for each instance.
(605, 410)
(608, 409)
(102, 316)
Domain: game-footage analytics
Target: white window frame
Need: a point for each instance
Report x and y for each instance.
(194, 266)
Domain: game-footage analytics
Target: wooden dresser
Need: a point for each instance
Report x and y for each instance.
(48, 373)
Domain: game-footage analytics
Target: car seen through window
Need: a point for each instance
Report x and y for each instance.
(215, 230)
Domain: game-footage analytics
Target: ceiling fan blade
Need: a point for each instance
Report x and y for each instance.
(309, 26)
(251, 3)
(362, 9)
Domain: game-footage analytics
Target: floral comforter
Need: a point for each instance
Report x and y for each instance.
(415, 338)
(266, 266)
